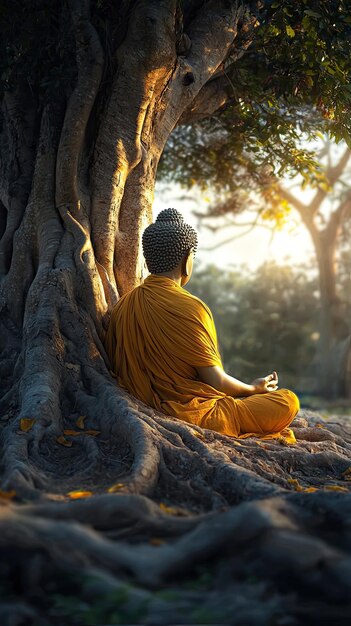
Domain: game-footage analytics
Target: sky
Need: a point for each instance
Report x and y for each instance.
(291, 245)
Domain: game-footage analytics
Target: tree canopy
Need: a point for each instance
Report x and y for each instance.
(291, 84)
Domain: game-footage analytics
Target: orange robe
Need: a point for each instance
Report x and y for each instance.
(158, 335)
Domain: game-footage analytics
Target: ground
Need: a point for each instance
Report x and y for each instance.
(242, 532)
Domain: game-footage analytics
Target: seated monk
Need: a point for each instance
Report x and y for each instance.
(162, 344)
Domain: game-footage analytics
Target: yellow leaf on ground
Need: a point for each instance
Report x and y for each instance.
(72, 433)
(295, 483)
(168, 509)
(76, 433)
(75, 495)
(336, 488)
(347, 474)
(156, 541)
(115, 487)
(298, 487)
(63, 441)
(80, 421)
(320, 425)
(7, 495)
(198, 435)
(26, 424)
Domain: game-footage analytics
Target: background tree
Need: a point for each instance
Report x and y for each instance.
(325, 231)
(90, 94)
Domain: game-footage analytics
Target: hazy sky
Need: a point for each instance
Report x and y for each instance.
(252, 249)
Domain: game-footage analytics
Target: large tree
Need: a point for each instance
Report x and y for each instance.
(90, 94)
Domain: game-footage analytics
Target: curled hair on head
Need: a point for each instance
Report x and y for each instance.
(166, 241)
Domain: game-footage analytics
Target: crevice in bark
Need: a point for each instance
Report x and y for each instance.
(18, 139)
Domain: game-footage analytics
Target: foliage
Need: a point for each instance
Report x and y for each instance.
(264, 322)
(34, 50)
(293, 83)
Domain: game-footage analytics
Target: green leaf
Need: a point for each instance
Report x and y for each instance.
(312, 13)
(289, 31)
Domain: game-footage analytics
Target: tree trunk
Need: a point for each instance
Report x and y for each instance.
(333, 326)
(76, 189)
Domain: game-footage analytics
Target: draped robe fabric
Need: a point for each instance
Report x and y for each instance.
(158, 335)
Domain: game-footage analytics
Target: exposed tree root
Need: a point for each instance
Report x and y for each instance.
(159, 501)
(182, 501)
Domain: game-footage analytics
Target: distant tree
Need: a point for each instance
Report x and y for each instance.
(325, 231)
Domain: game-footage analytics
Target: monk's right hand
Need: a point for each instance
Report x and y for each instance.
(266, 384)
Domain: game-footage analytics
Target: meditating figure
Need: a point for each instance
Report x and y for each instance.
(162, 344)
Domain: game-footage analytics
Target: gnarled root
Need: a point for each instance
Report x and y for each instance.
(139, 500)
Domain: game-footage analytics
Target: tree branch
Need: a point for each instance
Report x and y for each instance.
(246, 232)
(338, 216)
(304, 210)
(213, 96)
(212, 35)
(333, 174)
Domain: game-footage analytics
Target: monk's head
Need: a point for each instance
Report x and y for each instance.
(169, 246)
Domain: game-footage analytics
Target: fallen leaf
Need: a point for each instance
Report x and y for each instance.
(347, 474)
(63, 441)
(168, 509)
(75, 495)
(80, 421)
(7, 495)
(156, 541)
(198, 435)
(115, 487)
(296, 484)
(298, 487)
(72, 433)
(320, 425)
(26, 424)
(336, 488)
(76, 433)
